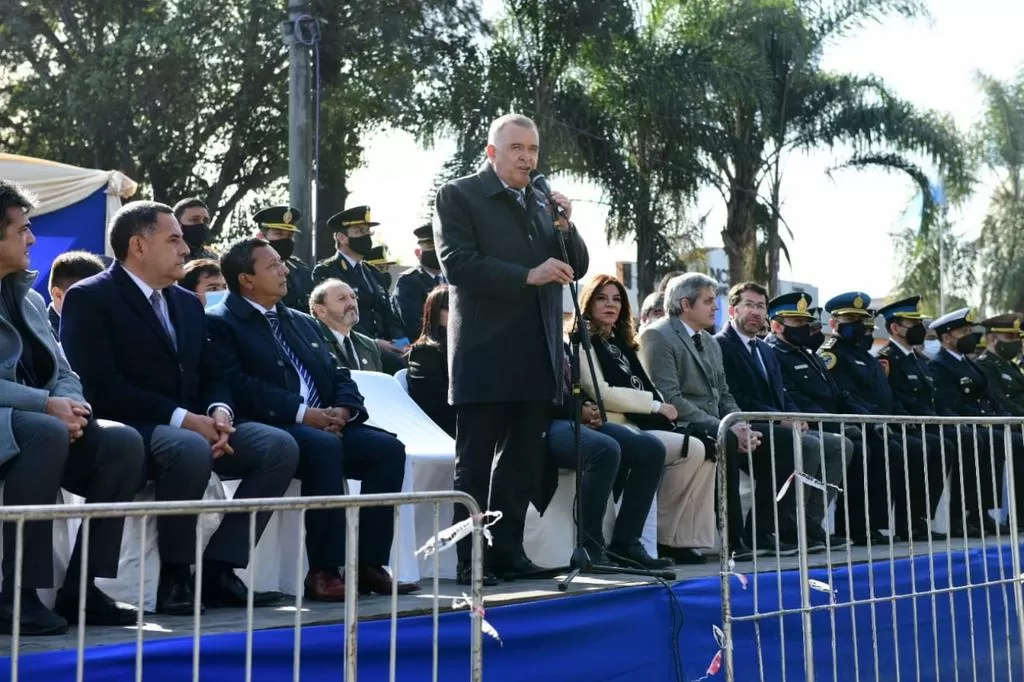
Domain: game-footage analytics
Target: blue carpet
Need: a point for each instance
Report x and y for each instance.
(625, 635)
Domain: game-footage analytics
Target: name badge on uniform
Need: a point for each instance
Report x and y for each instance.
(912, 376)
(1008, 377)
(315, 345)
(861, 363)
(800, 367)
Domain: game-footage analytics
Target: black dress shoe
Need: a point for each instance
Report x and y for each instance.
(222, 588)
(36, 620)
(174, 594)
(100, 609)
(771, 545)
(513, 566)
(633, 555)
(876, 538)
(682, 555)
(464, 575)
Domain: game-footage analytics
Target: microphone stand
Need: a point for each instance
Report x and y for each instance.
(580, 562)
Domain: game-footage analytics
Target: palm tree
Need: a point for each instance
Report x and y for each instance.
(806, 108)
(1000, 148)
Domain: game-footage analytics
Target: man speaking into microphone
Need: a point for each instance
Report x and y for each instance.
(502, 256)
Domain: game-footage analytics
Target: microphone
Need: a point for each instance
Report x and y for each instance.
(540, 183)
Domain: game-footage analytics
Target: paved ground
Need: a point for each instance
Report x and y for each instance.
(235, 620)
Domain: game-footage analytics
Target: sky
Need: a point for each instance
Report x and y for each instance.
(842, 225)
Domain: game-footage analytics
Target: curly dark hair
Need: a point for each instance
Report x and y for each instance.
(623, 329)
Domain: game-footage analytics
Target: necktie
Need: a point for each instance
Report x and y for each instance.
(350, 351)
(698, 344)
(518, 195)
(156, 299)
(756, 352)
(312, 398)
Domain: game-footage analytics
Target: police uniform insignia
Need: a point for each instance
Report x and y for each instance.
(801, 305)
(287, 217)
(885, 365)
(829, 359)
(858, 302)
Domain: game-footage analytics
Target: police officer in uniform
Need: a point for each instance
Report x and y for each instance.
(354, 239)
(962, 389)
(1002, 348)
(414, 284)
(861, 379)
(913, 394)
(278, 225)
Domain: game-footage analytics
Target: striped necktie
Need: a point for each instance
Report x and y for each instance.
(312, 398)
(518, 195)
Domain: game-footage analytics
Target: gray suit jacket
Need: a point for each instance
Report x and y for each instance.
(692, 381)
(63, 383)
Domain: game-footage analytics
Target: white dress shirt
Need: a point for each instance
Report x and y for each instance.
(179, 414)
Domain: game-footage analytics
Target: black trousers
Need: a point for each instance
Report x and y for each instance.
(104, 465)
(509, 436)
(866, 477)
(980, 459)
(375, 458)
(774, 438)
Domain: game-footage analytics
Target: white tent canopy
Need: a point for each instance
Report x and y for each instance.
(58, 185)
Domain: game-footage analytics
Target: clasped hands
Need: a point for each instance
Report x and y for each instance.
(74, 414)
(330, 419)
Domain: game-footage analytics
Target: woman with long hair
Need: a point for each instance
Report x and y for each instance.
(428, 362)
(686, 514)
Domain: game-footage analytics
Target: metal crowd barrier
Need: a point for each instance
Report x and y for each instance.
(351, 504)
(820, 643)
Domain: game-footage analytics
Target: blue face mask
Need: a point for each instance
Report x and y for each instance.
(215, 297)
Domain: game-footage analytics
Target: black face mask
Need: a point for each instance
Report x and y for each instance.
(361, 245)
(1008, 350)
(284, 247)
(814, 343)
(966, 345)
(195, 236)
(797, 336)
(853, 332)
(915, 335)
(428, 259)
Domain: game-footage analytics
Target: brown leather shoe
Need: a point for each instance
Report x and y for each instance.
(325, 584)
(378, 581)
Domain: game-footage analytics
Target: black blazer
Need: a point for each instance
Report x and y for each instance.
(428, 384)
(411, 291)
(961, 388)
(753, 393)
(263, 380)
(130, 371)
(376, 318)
(504, 337)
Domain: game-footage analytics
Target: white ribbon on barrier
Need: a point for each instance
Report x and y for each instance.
(716, 660)
(806, 480)
(488, 629)
(451, 535)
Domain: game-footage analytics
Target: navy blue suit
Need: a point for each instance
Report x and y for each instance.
(265, 386)
(133, 373)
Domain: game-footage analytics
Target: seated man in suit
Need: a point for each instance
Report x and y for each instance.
(50, 439)
(140, 344)
(685, 364)
(281, 373)
(66, 269)
(354, 238)
(413, 285)
(755, 379)
(336, 309)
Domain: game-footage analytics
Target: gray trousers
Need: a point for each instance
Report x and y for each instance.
(264, 457)
(104, 465)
